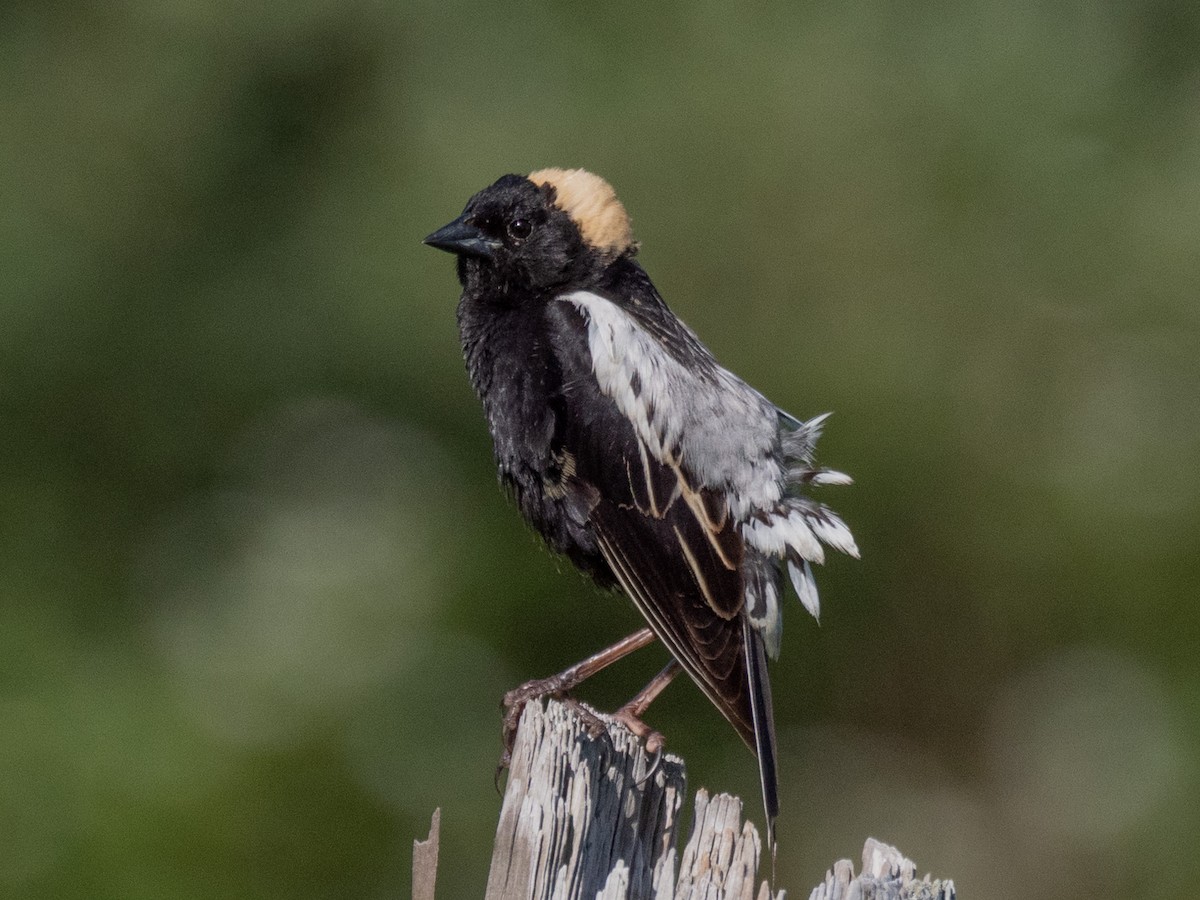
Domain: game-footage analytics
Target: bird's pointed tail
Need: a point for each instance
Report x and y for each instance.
(759, 685)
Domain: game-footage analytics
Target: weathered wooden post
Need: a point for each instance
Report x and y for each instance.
(589, 816)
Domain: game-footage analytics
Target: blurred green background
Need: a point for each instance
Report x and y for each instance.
(261, 594)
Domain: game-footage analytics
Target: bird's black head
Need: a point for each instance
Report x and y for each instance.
(525, 236)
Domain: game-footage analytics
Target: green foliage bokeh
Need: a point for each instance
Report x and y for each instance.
(261, 594)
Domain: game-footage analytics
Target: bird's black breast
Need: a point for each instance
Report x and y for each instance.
(528, 364)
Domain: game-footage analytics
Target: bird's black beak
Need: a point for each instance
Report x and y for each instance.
(464, 239)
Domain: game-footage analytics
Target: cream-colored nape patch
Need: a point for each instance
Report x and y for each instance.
(593, 205)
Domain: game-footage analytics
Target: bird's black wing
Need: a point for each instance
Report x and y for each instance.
(671, 542)
(690, 594)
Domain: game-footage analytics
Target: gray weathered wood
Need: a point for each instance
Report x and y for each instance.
(722, 855)
(425, 860)
(576, 806)
(886, 875)
(581, 819)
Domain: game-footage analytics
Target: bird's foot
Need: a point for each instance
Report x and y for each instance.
(652, 740)
(593, 722)
(557, 685)
(513, 705)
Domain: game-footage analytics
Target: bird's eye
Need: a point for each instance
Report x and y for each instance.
(520, 228)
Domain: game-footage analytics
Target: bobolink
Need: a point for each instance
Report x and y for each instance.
(631, 451)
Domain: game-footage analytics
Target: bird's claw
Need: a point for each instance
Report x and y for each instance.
(513, 704)
(592, 721)
(654, 764)
(653, 741)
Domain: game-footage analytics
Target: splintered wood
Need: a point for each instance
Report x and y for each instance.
(425, 860)
(581, 819)
(587, 815)
(886, 875)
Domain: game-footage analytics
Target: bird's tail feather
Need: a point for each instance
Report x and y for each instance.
(759, 685)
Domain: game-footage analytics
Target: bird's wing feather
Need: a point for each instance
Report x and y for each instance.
(725, 436)
(672, 451)
(686, 410)
(685, 590)
(649, 559)
(671, 540)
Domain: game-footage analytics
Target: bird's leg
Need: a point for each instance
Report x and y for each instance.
(630, 715)
(515, 700)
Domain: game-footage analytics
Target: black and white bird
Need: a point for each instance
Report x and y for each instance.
(632, 451)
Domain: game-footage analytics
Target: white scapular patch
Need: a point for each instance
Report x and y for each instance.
(728, 437)
(724, 433)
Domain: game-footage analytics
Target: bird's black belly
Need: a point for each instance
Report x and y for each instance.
(515, 362)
